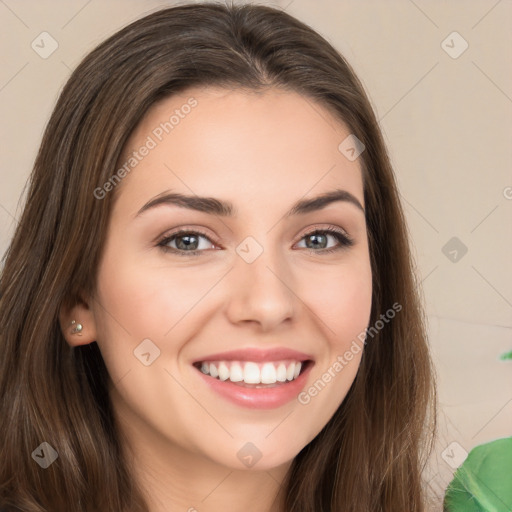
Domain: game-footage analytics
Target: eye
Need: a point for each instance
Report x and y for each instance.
(186, 242)
(317, 240)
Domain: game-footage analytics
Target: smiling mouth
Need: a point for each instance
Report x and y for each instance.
(251, 374)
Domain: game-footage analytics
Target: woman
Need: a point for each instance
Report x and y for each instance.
(209, 302)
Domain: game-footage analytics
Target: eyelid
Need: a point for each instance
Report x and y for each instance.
(324, 227)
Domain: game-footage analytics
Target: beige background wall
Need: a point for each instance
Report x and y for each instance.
(446, 120)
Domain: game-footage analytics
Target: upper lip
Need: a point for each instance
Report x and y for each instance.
(256, 355)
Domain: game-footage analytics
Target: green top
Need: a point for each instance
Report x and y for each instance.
(483, 483)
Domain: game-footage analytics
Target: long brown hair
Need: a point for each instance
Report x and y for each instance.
(371, 454)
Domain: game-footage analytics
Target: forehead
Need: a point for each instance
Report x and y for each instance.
(238, 143)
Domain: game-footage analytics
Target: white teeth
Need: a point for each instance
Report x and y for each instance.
(268, 374)
(237, 374)
(251, 372)
(223, 371)
(281, 373)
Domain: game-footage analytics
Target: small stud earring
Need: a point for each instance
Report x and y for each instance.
(77, 329)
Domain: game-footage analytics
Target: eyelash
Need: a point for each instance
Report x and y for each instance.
(343, 239)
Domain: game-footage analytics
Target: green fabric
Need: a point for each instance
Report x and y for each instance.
(506, 355)
(483, 483)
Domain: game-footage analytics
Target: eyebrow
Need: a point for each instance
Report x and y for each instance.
(221, 208)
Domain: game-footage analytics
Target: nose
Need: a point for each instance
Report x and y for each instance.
(261, 292)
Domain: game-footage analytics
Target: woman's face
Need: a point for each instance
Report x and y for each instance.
(248, 292)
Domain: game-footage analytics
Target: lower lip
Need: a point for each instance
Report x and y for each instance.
(258, 398)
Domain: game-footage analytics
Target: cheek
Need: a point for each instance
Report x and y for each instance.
(341, 298)
(341, 301)
(128, 310)
(137, 301)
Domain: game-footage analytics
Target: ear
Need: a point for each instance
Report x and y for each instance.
(77, 323)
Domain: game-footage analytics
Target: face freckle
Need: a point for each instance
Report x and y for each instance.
(260, 278)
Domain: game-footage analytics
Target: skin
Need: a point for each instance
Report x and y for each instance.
(262, 152)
